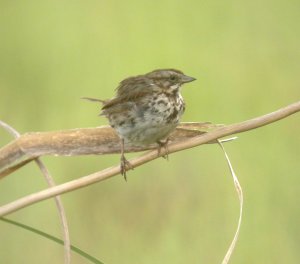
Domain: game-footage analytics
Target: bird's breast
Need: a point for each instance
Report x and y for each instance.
(150, 120)
(166, 108)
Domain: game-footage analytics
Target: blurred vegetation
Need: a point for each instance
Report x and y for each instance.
(246, 58)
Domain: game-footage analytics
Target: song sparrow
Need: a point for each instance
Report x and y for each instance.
(146, 109)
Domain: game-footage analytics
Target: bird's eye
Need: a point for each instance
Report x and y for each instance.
(173, 78)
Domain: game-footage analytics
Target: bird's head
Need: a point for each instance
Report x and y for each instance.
(170, 80)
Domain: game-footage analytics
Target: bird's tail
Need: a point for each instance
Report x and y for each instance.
(93, 99)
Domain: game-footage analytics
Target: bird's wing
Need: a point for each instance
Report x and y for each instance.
(130, 90)
(134, 85)
(123, 103)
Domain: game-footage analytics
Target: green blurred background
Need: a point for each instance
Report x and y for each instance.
(246, 58)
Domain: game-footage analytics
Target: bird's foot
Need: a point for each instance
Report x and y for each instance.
(163, 144)
(124, 166)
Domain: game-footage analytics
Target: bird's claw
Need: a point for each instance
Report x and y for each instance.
(124, 166)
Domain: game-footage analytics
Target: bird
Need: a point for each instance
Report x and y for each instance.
(145, 109)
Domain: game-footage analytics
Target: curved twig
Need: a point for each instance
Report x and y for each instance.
(151, 155)
(58, 201)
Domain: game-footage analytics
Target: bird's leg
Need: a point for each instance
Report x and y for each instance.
(125, 164)
(163, 144)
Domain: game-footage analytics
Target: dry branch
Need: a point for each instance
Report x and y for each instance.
(174, 147)
(81, 141)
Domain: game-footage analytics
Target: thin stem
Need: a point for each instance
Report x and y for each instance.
(59, 205)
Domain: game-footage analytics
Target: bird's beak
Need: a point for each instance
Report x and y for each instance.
(186, 79)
